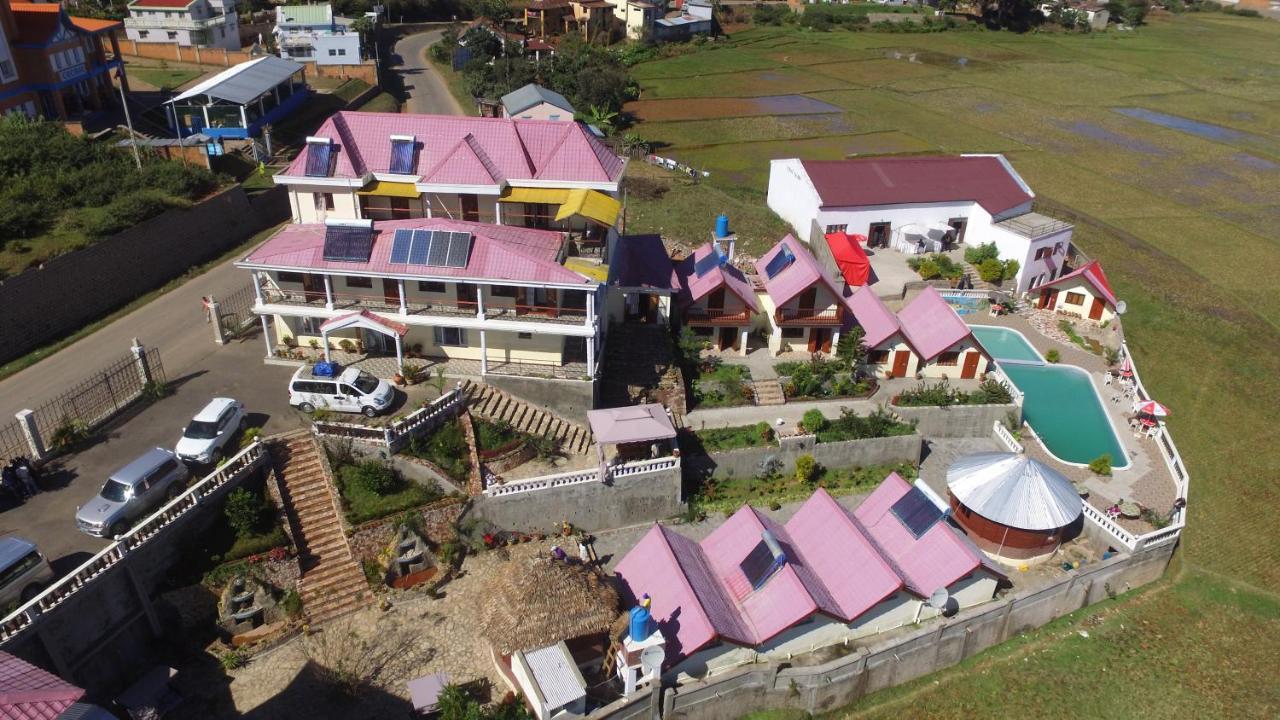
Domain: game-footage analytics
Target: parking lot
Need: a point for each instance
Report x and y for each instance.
(235, 370)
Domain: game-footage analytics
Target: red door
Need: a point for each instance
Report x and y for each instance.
(1095, 312)
(900, 360)
(1047, 299)
(970, 369)
(819, 340)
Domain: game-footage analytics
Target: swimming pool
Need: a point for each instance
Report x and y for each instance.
(1060, 402)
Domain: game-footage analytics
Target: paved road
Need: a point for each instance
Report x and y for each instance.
(427, 92)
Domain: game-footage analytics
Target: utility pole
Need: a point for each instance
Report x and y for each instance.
(128, 120)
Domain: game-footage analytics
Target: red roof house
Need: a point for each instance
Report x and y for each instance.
(29, 693)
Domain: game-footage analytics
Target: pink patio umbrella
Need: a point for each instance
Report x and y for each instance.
(1126, 367)
(1153, 408)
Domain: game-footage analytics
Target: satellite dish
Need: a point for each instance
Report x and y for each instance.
(651, 659)
(938, 600)
(1121, 306)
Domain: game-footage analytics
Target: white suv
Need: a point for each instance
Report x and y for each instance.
(204, 441)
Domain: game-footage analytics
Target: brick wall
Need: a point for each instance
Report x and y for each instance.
(221, 57)
(44, 304)
(438, 520)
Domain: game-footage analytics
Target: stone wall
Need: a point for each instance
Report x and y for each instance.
(570, 398)
(933, 646)
(71, 290)
(745, 462)
(438, 520)
(957, 421)
(628, 500)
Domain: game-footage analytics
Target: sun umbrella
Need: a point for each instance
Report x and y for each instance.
(1153, 408)
(1126, 367)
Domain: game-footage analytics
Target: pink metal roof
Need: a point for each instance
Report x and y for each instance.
(636, 423)
(931, 325)
(364, 318)
(935, 560)
(29, 693)
(841, 557)
(860, 182)
(468, 150)
(694, 288)
(877, 320)
(1090, 273)
(498, 252)
(797, 277)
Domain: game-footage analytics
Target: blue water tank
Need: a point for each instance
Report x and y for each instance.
(641, 625)
(722, 226)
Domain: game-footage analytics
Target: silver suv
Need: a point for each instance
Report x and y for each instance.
(131, 492)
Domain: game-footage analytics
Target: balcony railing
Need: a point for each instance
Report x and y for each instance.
(424, 307)
(717, 316)
(809, 316)
(174, 23)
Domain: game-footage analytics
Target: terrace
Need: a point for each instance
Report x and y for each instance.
(565, 315)
(1034, 225)
(809, 316)
(717, 316)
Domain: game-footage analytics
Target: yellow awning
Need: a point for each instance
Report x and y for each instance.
(390, 189)
(541, 196)
(592, 205)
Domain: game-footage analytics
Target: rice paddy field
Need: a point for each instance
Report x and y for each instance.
(1165, 144)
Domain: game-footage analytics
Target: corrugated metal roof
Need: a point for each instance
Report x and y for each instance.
(29, 693)
(798, 276)
(1014, 490)
(304, 14)
(521, 99)
(246, 81)
(556, 674)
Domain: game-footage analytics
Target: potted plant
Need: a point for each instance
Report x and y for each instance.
(314, 343)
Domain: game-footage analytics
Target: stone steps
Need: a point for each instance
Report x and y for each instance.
(494, 405)
(769, 392)
(332, 583)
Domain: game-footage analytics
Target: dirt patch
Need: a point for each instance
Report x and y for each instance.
(715, 108)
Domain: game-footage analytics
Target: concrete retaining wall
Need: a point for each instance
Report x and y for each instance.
(570, 398)
(628, 500)
(848, 453)
(42, 305)
(957, 421)
(933, 646)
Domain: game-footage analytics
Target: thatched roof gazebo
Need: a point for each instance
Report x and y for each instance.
(533, 602)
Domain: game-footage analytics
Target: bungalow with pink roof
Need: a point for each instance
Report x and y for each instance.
(756, 587)
(496, 295)
(388, 166)
(804, 305)
(1083, 293)
(715, 299)
(926, 338)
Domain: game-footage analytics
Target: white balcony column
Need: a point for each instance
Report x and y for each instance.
(497, 212)
(742, 348)
(328, 293)
(480, 303)
(591, 356)
(484, 354)
(266, 335)
(403, 305)
(257, 286)
(244, 119)
(399, 350)
(591, 309)
(835, 340)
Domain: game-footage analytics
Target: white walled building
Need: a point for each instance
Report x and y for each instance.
(311, 33)
(202, 23)
(981, 197)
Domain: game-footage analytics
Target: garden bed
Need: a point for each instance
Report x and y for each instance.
(730, 438)
(727, 494)
(445, 448)
(941, 394)
(821, 379)
(721, 385)
(371, 490)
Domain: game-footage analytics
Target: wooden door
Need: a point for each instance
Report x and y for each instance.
(900, 362)
(819, 340)
(970, 369)
(1047, 299)
(466, 296)
(391, 292)
(313, 288)
(470, 208)
(1095, 312)
(727, 337)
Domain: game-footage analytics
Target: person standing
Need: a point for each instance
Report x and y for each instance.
(207, 308)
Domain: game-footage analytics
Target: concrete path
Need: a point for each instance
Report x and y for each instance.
(426, 90)
(790, 413)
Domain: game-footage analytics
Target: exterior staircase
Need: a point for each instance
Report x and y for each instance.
(494, 405)
(333, 583)
(769, 392)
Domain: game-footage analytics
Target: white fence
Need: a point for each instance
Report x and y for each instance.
(1006, 437)
(234, 469)
(577, 477)
(1004, 380)
(395, 434)
(1173, 461)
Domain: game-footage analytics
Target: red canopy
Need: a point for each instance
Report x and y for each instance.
(852, 261)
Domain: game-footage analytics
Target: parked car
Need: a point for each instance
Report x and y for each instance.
(351, 391)
(24, 571)
(131, 492)
(205, 438)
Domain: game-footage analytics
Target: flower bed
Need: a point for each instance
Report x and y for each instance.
(722, 385)
(445, 448)
(821, 378)
(372, 490)
(941, 394)
(730, 438)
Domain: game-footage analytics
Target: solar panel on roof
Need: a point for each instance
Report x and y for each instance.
(319, 159)
(459, 248)
(780, 262)
(347, 243)
(706, 264)
(418, 249)
(916, 512)
(402, 157)
(439, 251)
(400, 245)
(763, 561)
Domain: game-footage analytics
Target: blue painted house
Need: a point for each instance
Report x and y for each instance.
(238, 101)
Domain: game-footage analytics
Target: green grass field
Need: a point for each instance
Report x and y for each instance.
(1193, 259)
(164, 78)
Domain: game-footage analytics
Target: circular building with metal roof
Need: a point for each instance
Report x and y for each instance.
(1016, 509)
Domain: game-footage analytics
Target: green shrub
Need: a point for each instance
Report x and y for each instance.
(1053, 355)
(250, 436)
(232, 659)
(291, 603)
(446, 447)
(373, 573)
(977, 254)
(851, 426)
(806, 469)
(1101, 465)
(991, 270)
(70, 433)
(814, 420)
(376, 477)
(245, 512)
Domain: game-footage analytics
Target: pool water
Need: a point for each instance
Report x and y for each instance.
(1060, 402)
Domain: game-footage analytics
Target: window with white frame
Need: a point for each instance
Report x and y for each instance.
(450, 337)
